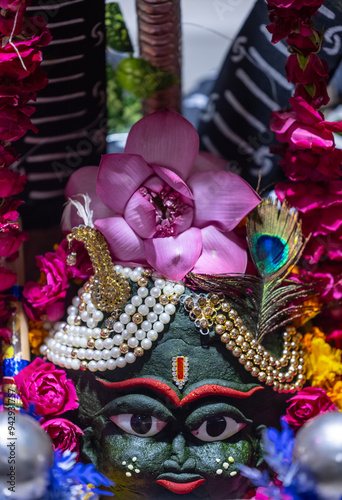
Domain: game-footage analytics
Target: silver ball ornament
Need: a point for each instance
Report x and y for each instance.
(26, 454)
(318, 450)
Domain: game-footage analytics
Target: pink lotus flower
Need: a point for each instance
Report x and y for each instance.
(304, 128)
(47, 296)
(155, 209)
(47, 388)
(307, 404)
(64, 435)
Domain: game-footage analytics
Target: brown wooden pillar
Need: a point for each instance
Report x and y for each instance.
(159, 23)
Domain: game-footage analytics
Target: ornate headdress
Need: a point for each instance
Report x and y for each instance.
(122, 310)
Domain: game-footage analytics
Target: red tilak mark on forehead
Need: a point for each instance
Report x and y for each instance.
(165, 390)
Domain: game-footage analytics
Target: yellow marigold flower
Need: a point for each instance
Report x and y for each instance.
(37, 335)
(324, 365)
(307, 339)
(335, 394)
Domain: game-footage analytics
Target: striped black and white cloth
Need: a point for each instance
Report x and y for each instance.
(252, 84)
(70, 111)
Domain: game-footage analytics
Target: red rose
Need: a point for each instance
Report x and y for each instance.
(285, 20)
(8, 210)
(296, 4)
(304, 128)
(47, 388)
(314, 69)
(47, 296)
(305, 44)
(315, 94)
(64, 434)
(307, 404)
(11, 183)
(13, 5)
(10, 241)
(7, 156)
(7, 279)
(324, 246)
(15, 122)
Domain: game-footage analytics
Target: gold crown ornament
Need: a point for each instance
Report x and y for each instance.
(121, 311)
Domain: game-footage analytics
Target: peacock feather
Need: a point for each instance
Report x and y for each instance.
(276, 243)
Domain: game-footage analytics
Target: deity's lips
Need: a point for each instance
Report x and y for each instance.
(174, 483)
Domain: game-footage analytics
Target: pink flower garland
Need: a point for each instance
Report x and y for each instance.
(21, 39)
(310, 159)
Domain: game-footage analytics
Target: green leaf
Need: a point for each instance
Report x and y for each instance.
(143, 79)
(116, 32)
(311, 89)
(303, 61)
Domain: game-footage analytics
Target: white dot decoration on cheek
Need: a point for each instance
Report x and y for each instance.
(90, 340)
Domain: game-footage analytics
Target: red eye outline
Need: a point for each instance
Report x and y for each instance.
(232, 427)
(123, 421)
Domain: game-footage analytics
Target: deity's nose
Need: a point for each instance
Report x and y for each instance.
(178, 461)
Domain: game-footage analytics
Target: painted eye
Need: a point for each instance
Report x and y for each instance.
(138, 424)
(217, 429)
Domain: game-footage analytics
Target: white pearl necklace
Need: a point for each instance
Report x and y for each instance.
(79, 343)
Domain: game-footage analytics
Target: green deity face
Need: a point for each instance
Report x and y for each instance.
(157, 440)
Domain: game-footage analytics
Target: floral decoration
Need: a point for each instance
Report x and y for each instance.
(307, 404)
(160, 204)
(64, 434)
(309, 154)
(47, 388)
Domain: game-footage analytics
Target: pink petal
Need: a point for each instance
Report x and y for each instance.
(207, 161)
(141, 215)
(222, 199)
(124, 244)
(83, 181)
(165, 138)
(120, 175)
(175, 256)
(221, 253)
(173, 180)
(305, 112)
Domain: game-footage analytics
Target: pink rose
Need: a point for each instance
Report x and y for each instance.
(315, 70)
(325, 278)
(14, 5)
(324, 246)
(11, 183)
(5, 308)
(304, 128)
(154, 210)
(47, 296)
(305, 44)
(64, 434)
(304, 164)
(8, 211)
(306, 196)
(307, 404)
(10, 241)
(83, 268)
(7, 279)
(47, 388)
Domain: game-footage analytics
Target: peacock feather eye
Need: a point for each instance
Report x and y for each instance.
(270, 252)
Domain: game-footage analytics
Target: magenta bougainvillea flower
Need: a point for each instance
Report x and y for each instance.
(156, 205)
(304, 127)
